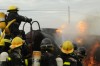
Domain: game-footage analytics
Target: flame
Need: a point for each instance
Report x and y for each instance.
(61, 28)
(89, 60)
(79, 41)
(82, 27)
(59, 31)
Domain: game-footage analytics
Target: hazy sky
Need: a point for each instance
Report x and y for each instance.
(54, 13)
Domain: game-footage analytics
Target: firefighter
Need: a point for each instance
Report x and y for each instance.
(13, 14)
(76, 54)
(67, 49)
(81, 53)
(3, 24)
(14, 27)
(15, 56)
(47, 49)
(4, 42)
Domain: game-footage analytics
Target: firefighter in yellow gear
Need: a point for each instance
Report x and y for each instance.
(68, 58)
(15, 57)
(13, 14)
(4, 42)
(3, 23)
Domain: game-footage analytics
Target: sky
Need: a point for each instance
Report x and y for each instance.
(54, 13)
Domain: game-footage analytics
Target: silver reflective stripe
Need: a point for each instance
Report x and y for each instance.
(2, 19)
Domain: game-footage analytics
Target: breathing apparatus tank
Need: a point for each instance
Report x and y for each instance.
(59, 61)
(36, 58)
(3, 58)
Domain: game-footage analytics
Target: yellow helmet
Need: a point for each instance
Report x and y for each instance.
(2, 25)
(16, 42)
(67, 47)
(12, 8)
(2, 15)
(2, 20)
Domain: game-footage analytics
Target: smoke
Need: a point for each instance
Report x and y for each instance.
(93, 22)
(93, 35)
(69, 32)
(89, 25)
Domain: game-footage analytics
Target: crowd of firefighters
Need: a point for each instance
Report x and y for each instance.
(14, 49)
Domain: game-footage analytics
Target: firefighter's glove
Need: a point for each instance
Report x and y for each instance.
(30, 19)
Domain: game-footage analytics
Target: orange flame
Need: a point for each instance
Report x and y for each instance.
(82, 26)
(79, 41)
(61, 28)
(59, 31)
(89, 61)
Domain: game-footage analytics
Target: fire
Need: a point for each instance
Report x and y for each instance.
(89, 60)
(61, 28)
(59, 31)
(79, 40)
(82, 27)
